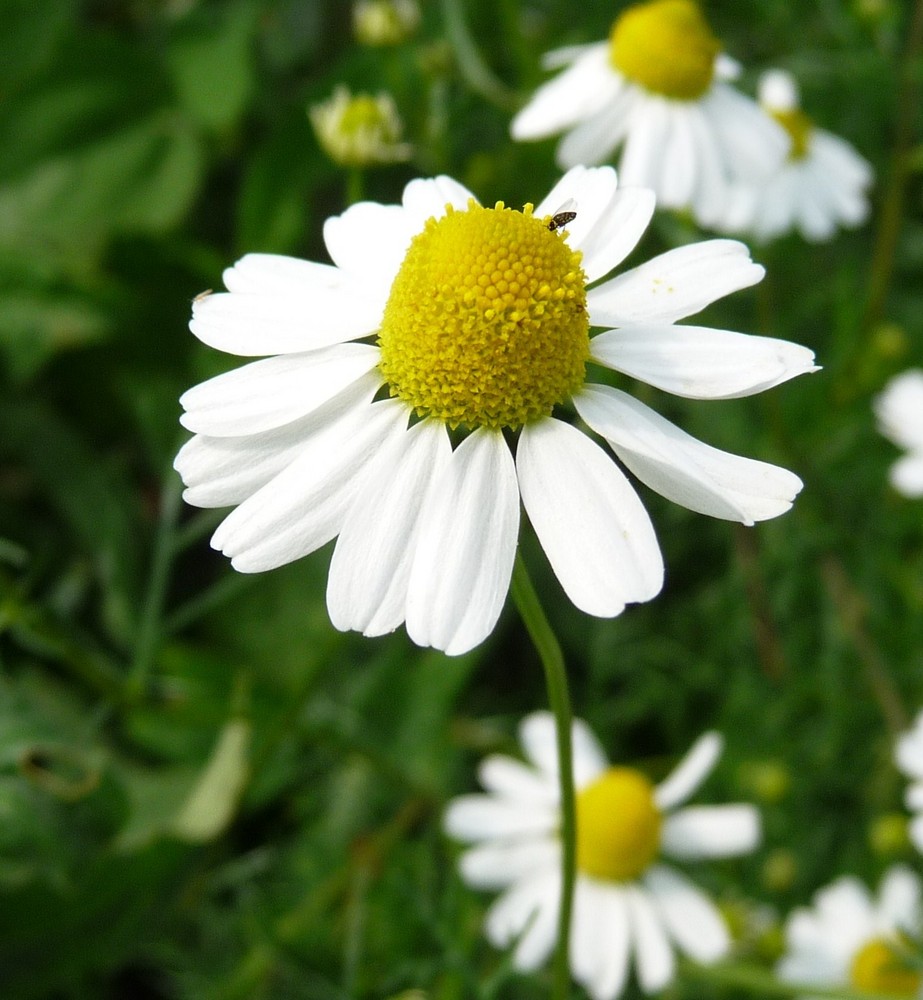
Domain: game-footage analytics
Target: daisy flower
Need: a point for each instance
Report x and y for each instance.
(821, 185)
(657, 88)
(627, 902)
(899, 409)
(850, 938)
(909, 758)
(359, 130)
(402, 377)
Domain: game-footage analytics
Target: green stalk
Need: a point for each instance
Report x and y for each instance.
(542, 636)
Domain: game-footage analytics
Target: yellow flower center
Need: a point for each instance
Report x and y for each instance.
(618, 825)
(799, 128)
(486, 324)
(878, 967)
(666, 46)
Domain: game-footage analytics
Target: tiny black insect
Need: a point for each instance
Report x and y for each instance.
(564, 215)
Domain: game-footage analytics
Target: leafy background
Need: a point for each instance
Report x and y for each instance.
(208, 792)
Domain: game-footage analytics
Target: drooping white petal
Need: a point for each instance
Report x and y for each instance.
(691, 919)
(582, 89)
(711, 831)
(534, 898)
(840, 159)
(844, 915)
(303, 507)
(513, 780)
(369, 241)
(641, 162)
(711, 195)
(258, 325)
(426, 198)
(537, 941)
(591, 524)
(370, 567)
(899, 900)
(684, 780)
(482, 817)
(275, 274)
(814, 955)
(496, 864)
(701, 363)
(674, 285)
(680, 467)
(537, 734)
(223, 471)
(753, 143)
(464, 552)
(678, 180)
(600, 938)
(654, 960)
(621, 224)
(275, 391)
(593, 140)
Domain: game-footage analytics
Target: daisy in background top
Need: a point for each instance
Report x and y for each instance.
(850, 938)
(821, 185)
(626, 901)
(657, 89)
(909, 759)
(441, 340)
(899, 409)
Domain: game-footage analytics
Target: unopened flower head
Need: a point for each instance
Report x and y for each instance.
(899, 409)
(359, 130)
(627, 901)
(446, 337)
(821, 185)
(851, 938)
(385, 22)
(657, 89)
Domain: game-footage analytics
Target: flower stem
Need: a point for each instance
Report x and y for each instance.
(355, 185)
(750, 978)
(472, 67)
(530, 609)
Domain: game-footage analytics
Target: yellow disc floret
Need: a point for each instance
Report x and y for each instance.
(618, 825)
(666, 46)
(799, 128)
(486, 324)
(879, 967)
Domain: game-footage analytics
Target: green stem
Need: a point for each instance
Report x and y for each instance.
(355, 185)
(152, 612)
(472, 67)
(530, 609)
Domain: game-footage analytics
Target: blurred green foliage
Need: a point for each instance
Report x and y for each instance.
(206, 793)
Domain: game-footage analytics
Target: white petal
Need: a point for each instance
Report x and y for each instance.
(534, 899)
(511, 779)
(899, 409)
(303, 507)
(426, 198)
(682, 468)
(617, 232)
(685, 779)
(275, 391)
(906, 475)
(274, 274)
(711, 831)
(600, 938)
(482, 817)
(913, 797)
(712, 195)
(369, 241)
(899, 900)
(908, 754)
(591, 524)
(370, 567)
(653, 955)
(258, 325)
(593, 140)
(701, 363)
(642, 160)
(679, 158)
(222, 471)
(840, 159)
(537, 942)
(591, 189)
(691, 918)
(915, 832)
(464, 552)
(581, 90)
(674, 285)
(753, 144)
(538, 737)
(494, 865)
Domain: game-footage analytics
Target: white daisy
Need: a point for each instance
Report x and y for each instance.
(850, 938)
(476, 320)
(821, 185)
(658, 89)
(626, 901)
(358, 130)
(899, 409)
(909, 758)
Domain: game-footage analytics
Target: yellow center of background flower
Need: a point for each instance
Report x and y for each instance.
(799, 128)
(878, 967)
(486, 323)
(666, 46)
(618, 825)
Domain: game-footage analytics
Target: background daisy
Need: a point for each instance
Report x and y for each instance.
(629, 906)
(899, 409)
(909, 759)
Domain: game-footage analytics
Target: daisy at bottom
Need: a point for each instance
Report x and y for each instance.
(899, 409)
(629, 906)
(851, 938)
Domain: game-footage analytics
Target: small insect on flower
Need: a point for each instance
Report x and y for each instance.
(202, 295)
(564, 215)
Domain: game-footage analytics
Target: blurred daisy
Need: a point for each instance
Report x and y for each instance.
(476, 322)
(909, 758)
(359, 130)
(657, 88)
(850, 938)
(899, 409)
(821, 185)
(385, 22)
(626, 901)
